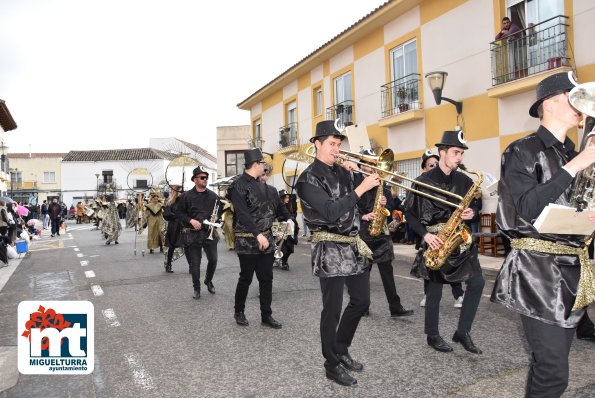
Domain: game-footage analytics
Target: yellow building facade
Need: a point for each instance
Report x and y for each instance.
(372, 74)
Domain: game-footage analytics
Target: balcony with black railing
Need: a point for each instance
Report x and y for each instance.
(533, 50)
(288, 135)
(342, 111)
(400, 95)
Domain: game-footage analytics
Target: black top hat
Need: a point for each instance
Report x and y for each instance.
(251, 156)
(428, 154)
(453, 138)
(283, 193)
(198, 171)
(325, 128)
(548, 87)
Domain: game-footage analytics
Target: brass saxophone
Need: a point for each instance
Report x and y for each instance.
(380, 213)
(455, 232)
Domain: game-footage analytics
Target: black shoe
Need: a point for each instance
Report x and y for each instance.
(366, 313)
(271, 322)
(168, 268)
(116, 242)
(151, 251)
(196, 294)
(350, 363)
(241, 318)
(107, 243)
(285, 267)
(210, 287)
(466, 342)
(340, 376)
(401, 312)
(586, 336)
(437, 342)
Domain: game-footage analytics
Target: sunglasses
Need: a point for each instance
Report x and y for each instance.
(203, 178)
(432, 165)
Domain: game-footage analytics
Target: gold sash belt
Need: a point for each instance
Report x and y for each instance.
(362, 248)
(586, 284)
(249, 234)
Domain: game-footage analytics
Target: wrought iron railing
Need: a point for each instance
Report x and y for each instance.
(107, 185)
(288, 135)
(532, 50)
(400, 95)
(342, 111)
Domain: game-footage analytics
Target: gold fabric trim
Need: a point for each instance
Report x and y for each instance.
(586, 284)
(362, 248)
(249, 235)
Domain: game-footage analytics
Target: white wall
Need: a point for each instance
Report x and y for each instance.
(368, 77)
(461, 49)
(78, 178)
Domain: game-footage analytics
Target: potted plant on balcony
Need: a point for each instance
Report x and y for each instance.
(402, 94)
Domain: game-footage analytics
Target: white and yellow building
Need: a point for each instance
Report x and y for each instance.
(373, 73)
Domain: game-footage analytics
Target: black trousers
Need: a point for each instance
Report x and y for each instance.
(470, 303)
(456, 288)
(550, 346)
(194, 255)
(388, 282)
(336, 340)
(585, 326)
(262, 265)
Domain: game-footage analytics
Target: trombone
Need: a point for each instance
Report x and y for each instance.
(384, 164)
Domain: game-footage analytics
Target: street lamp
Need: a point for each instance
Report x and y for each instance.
(436, 81)
(97, 185)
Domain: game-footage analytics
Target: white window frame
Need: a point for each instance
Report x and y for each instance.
(318, 102)
(343, 85)
(46, 179)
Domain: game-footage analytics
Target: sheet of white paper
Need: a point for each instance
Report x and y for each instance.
(564, 220)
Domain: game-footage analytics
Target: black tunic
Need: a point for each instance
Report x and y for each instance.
(329, 205)
(538, 285)
(194, 205)
(422, 212)
(256, 205)
(173, 235)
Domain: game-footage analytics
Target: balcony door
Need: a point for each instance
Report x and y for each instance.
(404, 75)
(545, 35)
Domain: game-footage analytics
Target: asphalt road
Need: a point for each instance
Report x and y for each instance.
(153, 340)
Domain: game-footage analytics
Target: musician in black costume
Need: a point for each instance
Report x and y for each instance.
(196, 206)
(256, 206)
(339, 256)
(542, 275)
(381, 245)
(427, 217)
(291, 239)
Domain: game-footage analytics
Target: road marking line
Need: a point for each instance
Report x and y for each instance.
(95, 255)
(90, 274)
(80, 255)
(76, 249)
(408, 278)
(110, 317)
(97, 290)
(139, 373)
(84, 263)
